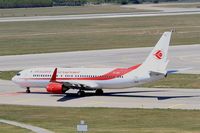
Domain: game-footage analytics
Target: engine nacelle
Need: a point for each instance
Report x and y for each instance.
(55, 88)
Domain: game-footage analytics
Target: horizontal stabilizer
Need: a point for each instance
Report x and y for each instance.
(178, 70)
(156, 74)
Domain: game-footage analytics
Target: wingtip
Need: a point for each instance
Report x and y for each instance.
(173, 30)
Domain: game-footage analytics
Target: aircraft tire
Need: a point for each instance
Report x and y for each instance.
(99, 92)
(81, 93)
(28, 90)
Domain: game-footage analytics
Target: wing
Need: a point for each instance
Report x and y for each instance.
(60, 87)
(84, 85)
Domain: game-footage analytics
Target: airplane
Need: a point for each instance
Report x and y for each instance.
(60, 80)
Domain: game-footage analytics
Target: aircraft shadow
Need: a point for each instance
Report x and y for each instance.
(71, 96)
(35, 92)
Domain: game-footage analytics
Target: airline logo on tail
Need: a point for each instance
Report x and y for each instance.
(158, 54)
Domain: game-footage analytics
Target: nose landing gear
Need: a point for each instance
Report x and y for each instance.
(28, 90)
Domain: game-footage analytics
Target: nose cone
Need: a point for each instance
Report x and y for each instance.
(17, 80)
(14, 79)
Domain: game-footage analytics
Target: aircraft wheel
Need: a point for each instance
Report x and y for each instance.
(28, 90)
(81, 93)
(99, 92)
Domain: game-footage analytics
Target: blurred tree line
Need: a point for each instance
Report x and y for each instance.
(49, 3)
(82, 2)
(25, 3)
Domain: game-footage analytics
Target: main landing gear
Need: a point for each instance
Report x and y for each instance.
(99, 92)
(28, 90)
(81, 93)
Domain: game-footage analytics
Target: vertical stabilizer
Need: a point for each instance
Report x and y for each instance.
(158, 58)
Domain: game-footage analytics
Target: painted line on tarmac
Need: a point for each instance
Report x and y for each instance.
(29, 127)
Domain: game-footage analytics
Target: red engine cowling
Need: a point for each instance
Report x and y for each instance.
(55, 88)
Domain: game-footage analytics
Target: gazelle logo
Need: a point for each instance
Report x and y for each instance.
(158, 54)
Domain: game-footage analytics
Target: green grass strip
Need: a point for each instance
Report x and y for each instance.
(105, 120)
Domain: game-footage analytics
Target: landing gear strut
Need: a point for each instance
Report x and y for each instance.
(99, 92)
(28, 90)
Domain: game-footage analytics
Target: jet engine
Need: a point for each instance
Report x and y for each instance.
(56, 88)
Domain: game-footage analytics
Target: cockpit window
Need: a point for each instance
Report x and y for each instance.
(18, 74)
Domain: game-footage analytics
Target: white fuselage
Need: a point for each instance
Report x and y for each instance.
(108, 78)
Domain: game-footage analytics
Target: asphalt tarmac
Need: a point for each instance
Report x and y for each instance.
(180, 57)
(163, 98)
(156, 11)
(96, 16)
(184, 56)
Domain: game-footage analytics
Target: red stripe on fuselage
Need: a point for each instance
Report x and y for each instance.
(110, 75)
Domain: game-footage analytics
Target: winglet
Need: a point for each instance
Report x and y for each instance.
(53, 78)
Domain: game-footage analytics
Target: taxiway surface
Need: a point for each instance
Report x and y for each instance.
(96, 16)
(180, 57)
(156, 11)
(122, 98)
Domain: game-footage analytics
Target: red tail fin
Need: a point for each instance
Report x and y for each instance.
(53, 78)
